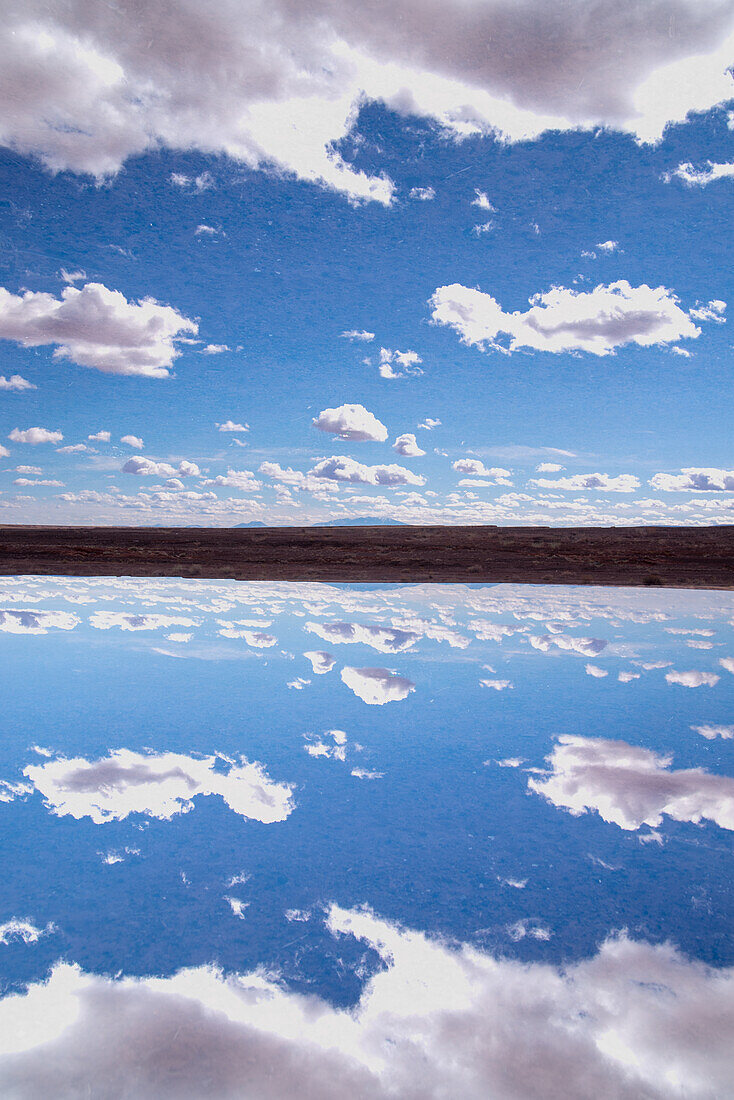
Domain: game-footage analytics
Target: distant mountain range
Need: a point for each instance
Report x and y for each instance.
(356, 521)
(361, 521)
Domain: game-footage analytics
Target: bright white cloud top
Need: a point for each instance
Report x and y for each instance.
(415, 1030)
(321, 662)
(383, 639)
(36, 622)
(346, 469)
(407, 446)
(630, 786)
(351, 422)
(34, 436)
(247, 80)
(695, 479)
(97, 327)
(565, 320)
(606, 483)
(159, 785)
(377, 686)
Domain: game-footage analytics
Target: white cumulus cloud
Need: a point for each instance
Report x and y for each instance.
(157, 785)
(351, 422)
(382, 638)
(34, 436)
(710, 732)
(36, 622)
(631, 786)
(376, 686)
(147, 467)
(399, 364)
(473, 468)
(692, 679)
(345, 469)
(605, 483)
(361, 335)
(407, 446)
(695, 479)
(232, 426)
(562, 320)
(587, 647)
(321, 662)
(699, 177)
(436, 1020)
(16, 383)
(96, 327)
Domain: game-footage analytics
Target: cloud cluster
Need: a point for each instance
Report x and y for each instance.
(435, 1021)
(399, 364)
(351, 422)
(34, 436)
(244, 480)
(693, 679)
(256, 639)
(125, 620)
(345, 469)
(97, 327)
(631, 786)
(16, 384)
(157, 785)
(473, 468)
(605, 483)
(587, 647)
(382, 638)
(232, 426)
(376, 686)
(711, 732)
(278, 84)
(321, 662)
(699, 177)
(563, 320)
(22, 929)
(147, 467)
(695, 479)
(36, 622)
(407, 446)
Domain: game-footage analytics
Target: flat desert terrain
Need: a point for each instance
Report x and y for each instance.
(672, 557)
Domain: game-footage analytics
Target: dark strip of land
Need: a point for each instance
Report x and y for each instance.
(671, 557)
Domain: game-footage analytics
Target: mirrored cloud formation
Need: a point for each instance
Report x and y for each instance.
(436, 1021)
(157, 785)
(376, 685)
(516, 882)
(632, 786)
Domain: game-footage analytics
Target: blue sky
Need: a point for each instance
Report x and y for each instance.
(190, 235)
(201, 810)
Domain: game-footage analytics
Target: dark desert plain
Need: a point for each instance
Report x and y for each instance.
(671, 557)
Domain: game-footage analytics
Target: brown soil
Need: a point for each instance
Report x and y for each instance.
(672, 557)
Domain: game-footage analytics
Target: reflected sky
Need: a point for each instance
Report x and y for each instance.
(406, 841)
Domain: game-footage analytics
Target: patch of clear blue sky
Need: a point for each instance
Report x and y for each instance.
(294, 266)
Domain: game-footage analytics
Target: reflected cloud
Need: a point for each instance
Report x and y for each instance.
(157, 785)
(631, 786)
(436, 1021)
(36, 622)
(381, 638)
(321, 662)
(377, 686)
